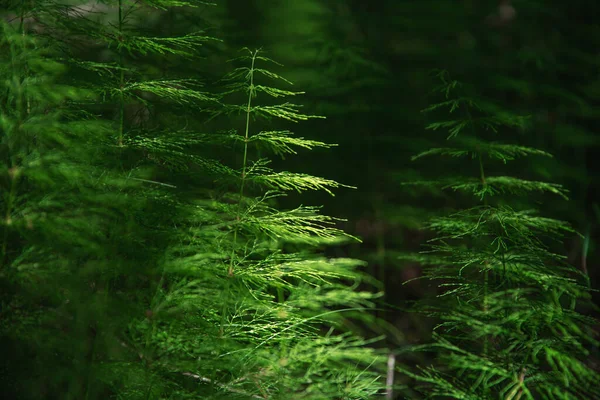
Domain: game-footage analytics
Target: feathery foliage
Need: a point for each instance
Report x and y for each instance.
(509, 321)
(169, 270)
(245, 274)
(57, 203)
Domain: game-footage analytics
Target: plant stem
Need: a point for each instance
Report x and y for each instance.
(242, 184)
(486, 274)
(481, 173)
(244, 161)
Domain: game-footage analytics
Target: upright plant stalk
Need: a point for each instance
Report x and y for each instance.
(230, 270)
(486, 275)
(524, 339)
(251, 93)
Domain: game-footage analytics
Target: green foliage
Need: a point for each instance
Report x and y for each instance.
(474, 147)
(57, 203)
(510, 325)
(260, 295)
(144, 258)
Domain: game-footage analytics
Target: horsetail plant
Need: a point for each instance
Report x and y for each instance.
(270, 309)
(199, 286)
(510, 323)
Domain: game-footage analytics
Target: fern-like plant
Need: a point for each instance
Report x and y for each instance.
(171, 272)
(269, 311)
(509, 304)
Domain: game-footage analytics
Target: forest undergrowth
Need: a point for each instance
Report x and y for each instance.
(155, 245)
(191, 283)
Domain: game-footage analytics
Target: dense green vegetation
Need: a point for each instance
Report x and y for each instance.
(509, 321)
(299, 199)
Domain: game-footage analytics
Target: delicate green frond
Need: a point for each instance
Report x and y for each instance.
(285, 111)
(179, 46)
(281, 142)
(274, 92)
(474, 148)
(285, 181)
(454, 127)
(302, 224)
(494, 185)
(486, 220)
(272, 75)
(278, 269)
(492, 124)
(177, 90)
(506, 184)
(102, 69)
(173, 151)
(453, 104)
